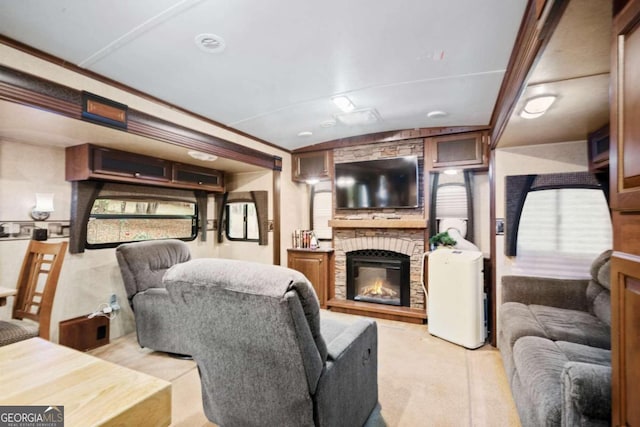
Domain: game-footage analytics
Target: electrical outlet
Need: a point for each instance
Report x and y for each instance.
(113, 302)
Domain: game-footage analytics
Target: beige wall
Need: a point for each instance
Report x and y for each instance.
(533, 159)
(88, 279)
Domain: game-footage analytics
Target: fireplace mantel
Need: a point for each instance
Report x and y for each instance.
(379, 223)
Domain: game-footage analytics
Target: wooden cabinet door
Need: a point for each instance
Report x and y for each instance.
(120, 163)
(314, 268)
(625, 324)
(625, 109)
(207, 179)
(464, 151)
(314, 165)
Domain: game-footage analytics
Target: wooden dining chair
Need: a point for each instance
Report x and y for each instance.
(31, 316)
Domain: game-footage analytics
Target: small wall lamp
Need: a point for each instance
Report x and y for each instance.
(44, 205)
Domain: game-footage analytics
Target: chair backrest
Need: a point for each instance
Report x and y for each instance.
(254, 331)
(37, 283)
(142, 264)
(598, 290)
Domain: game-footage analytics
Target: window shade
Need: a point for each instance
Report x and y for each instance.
(561, 231)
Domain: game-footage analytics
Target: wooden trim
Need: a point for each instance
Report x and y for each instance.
(32, 91)
(379, 223)
(276, 216)
(492, 246)
(98, 77)
(403, 314)
(532, 38)
(396, 135)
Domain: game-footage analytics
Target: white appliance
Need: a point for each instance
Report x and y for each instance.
(456, 310)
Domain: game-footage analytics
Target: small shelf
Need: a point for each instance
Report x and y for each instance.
(379, 223)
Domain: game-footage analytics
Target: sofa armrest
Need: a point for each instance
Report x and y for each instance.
(586, 393)
(562, 293)
(347, 391)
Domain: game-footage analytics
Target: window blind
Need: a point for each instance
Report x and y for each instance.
(561, 231)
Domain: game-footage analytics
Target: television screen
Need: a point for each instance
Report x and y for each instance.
(373, 184)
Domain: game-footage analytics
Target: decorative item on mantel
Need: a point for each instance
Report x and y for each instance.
(304, 239)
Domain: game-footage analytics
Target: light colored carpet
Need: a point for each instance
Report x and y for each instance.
(422, 380)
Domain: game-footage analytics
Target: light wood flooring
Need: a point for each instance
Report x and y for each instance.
(422, 380)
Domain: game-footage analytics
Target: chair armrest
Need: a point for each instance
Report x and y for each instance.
(351, 370)
(586, 392)
(562, 293)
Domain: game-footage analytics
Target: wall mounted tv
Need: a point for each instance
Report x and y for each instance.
(376, 184)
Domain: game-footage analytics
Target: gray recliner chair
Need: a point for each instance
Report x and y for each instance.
(264, 355)
(142, 265)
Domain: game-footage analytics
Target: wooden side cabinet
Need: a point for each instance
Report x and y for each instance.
(317, 266)
(83, 333)
(312, 165)
(462, 151)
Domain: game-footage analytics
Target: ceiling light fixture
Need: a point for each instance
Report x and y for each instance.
(210, 43)
(343, 103)
(199, 155)
(360, 117)
(537, 106)
(436, 114)
(305, 133)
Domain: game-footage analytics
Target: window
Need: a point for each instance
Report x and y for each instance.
(118, 220)
(241, 221)
(561, 231)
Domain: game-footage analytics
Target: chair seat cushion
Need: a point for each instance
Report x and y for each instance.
(571, 325)
(556, 324)
(539, 364)
(17, 330)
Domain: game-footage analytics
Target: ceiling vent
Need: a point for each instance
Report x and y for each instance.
(365, 116)
(210, 43)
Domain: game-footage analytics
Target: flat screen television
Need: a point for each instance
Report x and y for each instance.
(375, 184)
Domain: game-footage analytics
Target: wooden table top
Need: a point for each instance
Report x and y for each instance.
(92, 391)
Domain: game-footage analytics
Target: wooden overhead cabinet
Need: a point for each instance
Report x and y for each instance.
(461, 151)
(89, 161)
(312, 165)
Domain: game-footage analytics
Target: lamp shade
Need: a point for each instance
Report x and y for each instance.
(44, 202)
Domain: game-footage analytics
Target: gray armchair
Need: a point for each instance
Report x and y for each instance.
(264, 355)
(142, 265)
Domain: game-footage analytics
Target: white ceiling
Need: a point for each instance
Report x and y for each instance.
(285, 59)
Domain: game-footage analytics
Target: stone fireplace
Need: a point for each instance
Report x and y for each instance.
(406, 242)
(366, 234)
(378, 276)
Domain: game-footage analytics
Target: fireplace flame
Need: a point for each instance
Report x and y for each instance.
(378, 290)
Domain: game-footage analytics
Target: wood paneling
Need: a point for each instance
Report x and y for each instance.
(391, 136)
(625, 103)
(317, 266)
(26, 89)
(625, 300)
(624, 163)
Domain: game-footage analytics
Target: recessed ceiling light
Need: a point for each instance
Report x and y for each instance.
(210, 43)
(328, 123)
(451, 172)
(436, 114)
(343, 103)
(537, 106)
(199, 155)
(305, 133)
